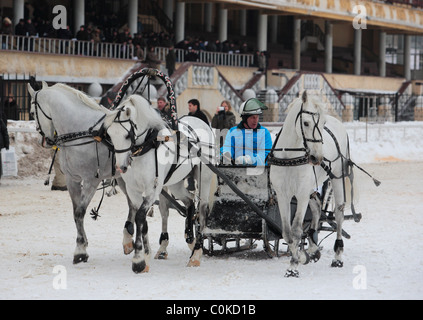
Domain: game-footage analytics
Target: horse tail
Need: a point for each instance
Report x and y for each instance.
(351, 188)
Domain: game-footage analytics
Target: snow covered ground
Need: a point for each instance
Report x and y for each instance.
(382, 260)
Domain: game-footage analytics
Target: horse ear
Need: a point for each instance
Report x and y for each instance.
(45, 85)
(30, 90)
(304, 96)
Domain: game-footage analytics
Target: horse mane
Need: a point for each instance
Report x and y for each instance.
(81, 96)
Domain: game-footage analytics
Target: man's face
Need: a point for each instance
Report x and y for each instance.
(253, 121)
(161, 104)
(192, 107)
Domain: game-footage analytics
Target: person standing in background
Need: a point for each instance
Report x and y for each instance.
(194, 110)
(4, 139)
(170, 61)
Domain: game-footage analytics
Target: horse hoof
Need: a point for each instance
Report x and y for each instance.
(292, 274)
(193, 263)
(83, 257)
(161, 255)
(128, 248)
(314, 257)
(337, 264)
(140, 267)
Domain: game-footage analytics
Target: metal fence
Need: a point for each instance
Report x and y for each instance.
(115, 50)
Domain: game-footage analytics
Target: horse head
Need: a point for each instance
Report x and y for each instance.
(121, 130)
(41, 112)
(310, 122)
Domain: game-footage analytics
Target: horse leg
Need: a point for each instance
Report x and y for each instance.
(140, 261)
(128, 230)
(297, 254)
(339, 219)
(312, 234)
(197, 245)
(164, 236)
(204, 177)
(81, 197)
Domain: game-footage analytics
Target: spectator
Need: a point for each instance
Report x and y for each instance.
(64, 34)
(244, 48)
(191, 55)
(151, 59)
(96, 39)
(170, 61)
(4, 139)
(30, 28)
(167, 41)
(6, 27)
(115, 37)
(11, 108)
(262, 61)
(124, 36)
(139, 53)
(194, 110)
(82, 34)
(224, 117)
(139, 40)
(20, 28)
(164, 108)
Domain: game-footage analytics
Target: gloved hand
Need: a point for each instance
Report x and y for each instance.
(244, 160)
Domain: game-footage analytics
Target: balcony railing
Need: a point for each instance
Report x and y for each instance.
(113, 50)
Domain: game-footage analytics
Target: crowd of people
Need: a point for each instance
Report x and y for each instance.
(108, 30)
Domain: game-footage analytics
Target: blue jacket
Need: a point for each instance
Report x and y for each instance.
(256, 143)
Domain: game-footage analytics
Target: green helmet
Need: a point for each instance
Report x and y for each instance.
(251, 107)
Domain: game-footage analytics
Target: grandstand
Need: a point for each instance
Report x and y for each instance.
(365, 57)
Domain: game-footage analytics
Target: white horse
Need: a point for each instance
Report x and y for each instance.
(150, 156)
(309, 136)
(68, 118)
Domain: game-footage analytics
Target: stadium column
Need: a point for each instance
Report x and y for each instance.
(243, 22)
(382, 53)
(79, 14)
(274, 29)
(180, 21)
(407, 57)
(357, 51)
(262, 32)
(208, 13)
(297, 44)
(223, 23)
(328, 46)
(133, 16)
(18, 11)
(168, 9)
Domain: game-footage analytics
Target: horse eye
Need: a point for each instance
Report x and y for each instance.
(306, 124)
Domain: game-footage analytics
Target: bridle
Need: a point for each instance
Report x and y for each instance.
(40, 130)
(150, 140)
(67, 137)
(301, 160)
